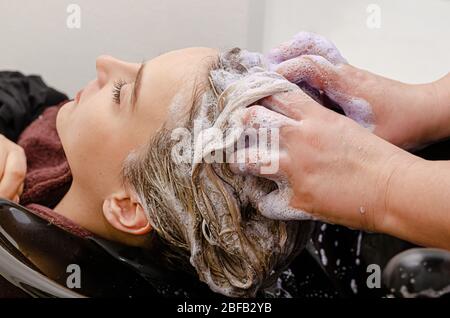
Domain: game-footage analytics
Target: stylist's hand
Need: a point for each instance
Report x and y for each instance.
(406, 115)
(13, 167)
(338, 171)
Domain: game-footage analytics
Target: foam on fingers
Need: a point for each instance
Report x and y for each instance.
(324, 76)
(276, 206)
(312, 69)
(306, 43)
(261, 117)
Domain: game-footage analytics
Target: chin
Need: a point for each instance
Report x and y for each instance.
(61, 119)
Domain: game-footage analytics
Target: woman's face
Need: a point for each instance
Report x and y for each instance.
(122, 109)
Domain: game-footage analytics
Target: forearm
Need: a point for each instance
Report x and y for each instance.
(407, 115)
(418, 203)
(441, 92)
(428, 111)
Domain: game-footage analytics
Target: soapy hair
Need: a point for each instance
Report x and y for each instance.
(202, 211)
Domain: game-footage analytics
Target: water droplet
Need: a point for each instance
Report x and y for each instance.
(354, 286)
(323, 257)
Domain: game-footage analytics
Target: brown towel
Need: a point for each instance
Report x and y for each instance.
(48, 176)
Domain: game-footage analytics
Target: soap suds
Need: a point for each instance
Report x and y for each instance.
(237, 92)
(312, 59)
(353, 286)
(306, 43)
(235, 215)
(323, 257)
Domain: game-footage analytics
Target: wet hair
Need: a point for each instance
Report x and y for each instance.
(203, 215)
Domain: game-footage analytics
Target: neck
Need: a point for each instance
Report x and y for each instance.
(81, 208)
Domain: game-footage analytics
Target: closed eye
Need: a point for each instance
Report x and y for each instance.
(117, 87)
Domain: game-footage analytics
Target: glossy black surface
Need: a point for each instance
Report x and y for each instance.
(35, 255)
(419, 272)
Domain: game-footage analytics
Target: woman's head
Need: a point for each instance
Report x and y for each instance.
(206, 215)
(118, 112)
(118, 140)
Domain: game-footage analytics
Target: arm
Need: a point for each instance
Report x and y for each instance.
(418, 203)
(441, 90)
(406, 115)
(339, 172)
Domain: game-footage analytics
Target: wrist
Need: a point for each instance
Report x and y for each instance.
(432, 111)
(403, 113)
(441, 93)
(397, 199)
(392, 195)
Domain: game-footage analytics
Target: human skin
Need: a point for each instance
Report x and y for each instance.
(342, 173)
(97, 134)
(407, 115)
(418, 127)
(13, 167)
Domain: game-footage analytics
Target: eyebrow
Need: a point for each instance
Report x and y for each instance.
(137, 84)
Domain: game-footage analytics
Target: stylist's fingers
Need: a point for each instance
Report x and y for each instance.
(322, 75)
(260, 162)
(263, 155)
(306, 43)
(265, 117)
(296, 104)
(13, 173)
(312, 69)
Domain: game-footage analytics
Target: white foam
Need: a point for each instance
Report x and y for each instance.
(276, 205)
(306, 43)
(353, 286)
(323, 257)
(358, 247)
(240, 91)
(431, 293)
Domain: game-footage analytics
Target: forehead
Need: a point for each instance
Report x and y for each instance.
(173, 79)
(180, 68)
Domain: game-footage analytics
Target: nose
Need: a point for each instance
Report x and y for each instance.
(110, 69)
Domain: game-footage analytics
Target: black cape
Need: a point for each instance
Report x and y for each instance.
(22, 99)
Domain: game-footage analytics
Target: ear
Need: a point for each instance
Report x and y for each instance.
(124, 212)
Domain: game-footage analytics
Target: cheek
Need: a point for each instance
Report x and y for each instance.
(91, 140)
